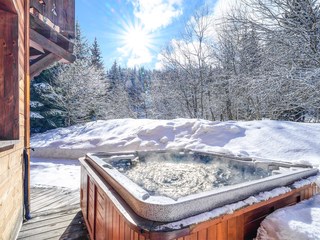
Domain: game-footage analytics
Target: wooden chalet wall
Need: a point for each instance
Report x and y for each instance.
(51, 28)
(11, 156)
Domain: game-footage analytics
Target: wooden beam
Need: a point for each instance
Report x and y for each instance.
(34, 57)
(51, 46)
(36, 46)
(46, 31)
(42, 64)
(37, 5)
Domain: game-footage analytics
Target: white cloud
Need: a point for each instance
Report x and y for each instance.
(223, 7)
(135, 58)
(139, 59)
(185, 51)
(155, 14)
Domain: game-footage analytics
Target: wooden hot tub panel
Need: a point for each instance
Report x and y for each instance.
(108, 217)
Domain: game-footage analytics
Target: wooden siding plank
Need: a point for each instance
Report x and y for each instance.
(2, 43)
(193, 236)
(127, 232)
(202, 235)
(9, 78)
(240, 227)
(212, 232)
(232, 228)
(136, 235)
(109, 220)
(115, 224)
(131, 234)
(310, 192)
(222, 230)
(141, 237)
(121, 229)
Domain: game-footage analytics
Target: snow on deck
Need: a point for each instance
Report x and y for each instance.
(53, 172)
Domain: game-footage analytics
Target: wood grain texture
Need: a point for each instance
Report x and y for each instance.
(242, 224)
(9, 77)
(12, 75)
(42, 63)
(51, 46)
(55, 221)
(14, 106)
(60, 13)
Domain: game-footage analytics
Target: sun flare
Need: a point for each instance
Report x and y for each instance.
(137, 40)
(137, 44)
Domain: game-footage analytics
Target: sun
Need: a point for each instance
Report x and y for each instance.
(137, 40)
(136, 44)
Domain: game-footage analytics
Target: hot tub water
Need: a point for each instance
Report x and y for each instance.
(177, 175)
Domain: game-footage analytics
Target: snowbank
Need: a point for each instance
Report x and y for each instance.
(278, 140)
(301, 221)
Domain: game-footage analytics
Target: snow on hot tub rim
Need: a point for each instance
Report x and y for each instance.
(228, 155)
(164, 209)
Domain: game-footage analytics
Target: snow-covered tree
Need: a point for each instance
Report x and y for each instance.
(81, 47)
(190, 58)
(96, 57)
(82, 92)
(70, 93)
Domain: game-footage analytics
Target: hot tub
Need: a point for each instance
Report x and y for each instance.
(167, 186)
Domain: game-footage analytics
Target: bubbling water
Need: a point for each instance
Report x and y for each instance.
(172, 179)
(178, 175)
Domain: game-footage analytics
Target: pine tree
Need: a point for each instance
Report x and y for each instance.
(46, 112)
(96, 58)
(81, 49)
(114, 75)
(69, 93)
(82, 86)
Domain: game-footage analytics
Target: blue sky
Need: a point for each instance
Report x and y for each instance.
(133, 32)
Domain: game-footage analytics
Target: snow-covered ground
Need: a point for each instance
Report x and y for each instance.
(301, 221)
(54, 172)
(282, 141)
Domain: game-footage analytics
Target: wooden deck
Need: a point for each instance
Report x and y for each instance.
(55, 215)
